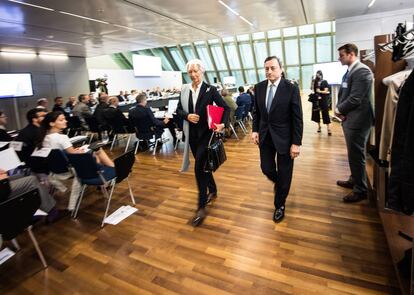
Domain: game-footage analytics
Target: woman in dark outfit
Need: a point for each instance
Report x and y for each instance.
(321, 105)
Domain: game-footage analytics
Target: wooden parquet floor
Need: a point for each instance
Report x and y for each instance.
(322, 247)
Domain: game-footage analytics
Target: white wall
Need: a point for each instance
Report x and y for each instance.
(51, 78)
(362, 29)
(102, 62)
(125, 80)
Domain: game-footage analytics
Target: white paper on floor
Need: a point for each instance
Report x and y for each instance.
(40, 213)
(120, 214)
(5, 254)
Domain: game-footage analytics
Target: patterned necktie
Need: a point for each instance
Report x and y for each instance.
(270, 96)
(345, 76)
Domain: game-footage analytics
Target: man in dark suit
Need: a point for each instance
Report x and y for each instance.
(121, 96)
(245, 100)
(115, 118)
(277, 129)
(355, 110)
(58, 106)
(100, 109)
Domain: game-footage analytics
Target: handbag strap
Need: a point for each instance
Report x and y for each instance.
(211, 138)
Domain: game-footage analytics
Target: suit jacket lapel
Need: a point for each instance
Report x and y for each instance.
(200, 95)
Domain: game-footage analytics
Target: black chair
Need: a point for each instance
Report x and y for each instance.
(74, 126)
(94, 127)
(239, 113)
(16, 215)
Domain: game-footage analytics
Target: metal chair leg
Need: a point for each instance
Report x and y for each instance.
(78, 202)
(130, 192)
(108, 202)
(113, 142)
(127, 144)
(155, 147)
(16, 244)
(234, 131)
(36, 245)
(137, 146)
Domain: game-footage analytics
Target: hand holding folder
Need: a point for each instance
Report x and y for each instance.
(214, 115)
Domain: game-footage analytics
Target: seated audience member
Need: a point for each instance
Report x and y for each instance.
(143, 119)
(114, 116)
(30, 134)
(82, 109)
(71, 103)
(58, 107)
(51, 137)
(4, 136)
(244, 99)
(121, 96)
(133, 95)
(42, 103)
(228, 98)
(156, 92)
(13, 186)
(100, 108)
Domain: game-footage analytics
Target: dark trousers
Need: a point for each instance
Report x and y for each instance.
(319, 107)
(205, 180)
(356, 140)
(278, 168)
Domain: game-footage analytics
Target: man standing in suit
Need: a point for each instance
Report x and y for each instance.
(356, 112)
(277, 129)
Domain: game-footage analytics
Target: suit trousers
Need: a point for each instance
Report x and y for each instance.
(278, 168)
(356, 140)
(205, 180)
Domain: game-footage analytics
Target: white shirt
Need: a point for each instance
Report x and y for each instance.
(57, 141)
(275, 84)
(195, 93)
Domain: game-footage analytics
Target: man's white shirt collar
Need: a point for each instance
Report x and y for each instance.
(352, 65)
(276, 83)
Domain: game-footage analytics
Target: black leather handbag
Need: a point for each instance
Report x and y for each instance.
(216, 155)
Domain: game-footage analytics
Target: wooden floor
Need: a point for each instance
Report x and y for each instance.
(322, 247)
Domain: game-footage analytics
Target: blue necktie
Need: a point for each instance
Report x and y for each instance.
(270, 96)
(345, 76)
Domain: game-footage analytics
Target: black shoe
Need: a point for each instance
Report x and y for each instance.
(345, 183)
(279, 214)
(354, 197)
(199, 217)
(211, 197)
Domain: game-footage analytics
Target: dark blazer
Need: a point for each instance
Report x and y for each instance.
(284, 122)
(143, 119)
(121, 98)
(4, 136)
(99, 112)
(207, 96)
(116, 119)
(29, 135)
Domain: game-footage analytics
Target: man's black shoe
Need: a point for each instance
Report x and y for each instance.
(354, 197)
(345, 183)
(279, 214)
(199, 217)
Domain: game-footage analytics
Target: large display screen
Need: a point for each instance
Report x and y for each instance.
(16, 85)
(146, 66)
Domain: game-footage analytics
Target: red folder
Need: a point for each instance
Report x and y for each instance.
(214, 115)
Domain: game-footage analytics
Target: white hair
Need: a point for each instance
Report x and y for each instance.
(196, 62)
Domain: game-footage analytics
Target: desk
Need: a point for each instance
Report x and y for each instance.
(153, 102)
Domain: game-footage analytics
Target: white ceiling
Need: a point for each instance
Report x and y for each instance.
(158, 23)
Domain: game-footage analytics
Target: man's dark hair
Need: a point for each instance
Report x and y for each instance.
(58, 97)
(141, 97)
(348, 48)
(80, 97)
(241, 89)
(273, 57)
(32, 114)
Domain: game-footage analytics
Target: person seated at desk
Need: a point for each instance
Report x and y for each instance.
(244, 99)
(101, 108)
(82, 109)
(144, 120)
(51, 137)
(71, 103)
(121, 96)
(4, 136)
(133, 95)
(228, 98)
(30, 134)
(114, 116)
(156, 92)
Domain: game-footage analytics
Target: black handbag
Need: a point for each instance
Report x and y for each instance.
(216, 155)
(313, 97)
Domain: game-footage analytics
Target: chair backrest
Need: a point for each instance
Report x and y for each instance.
(93, 124)
(123, 165)
(16, 214)
(38, 164)
(57, 162)
(84, 164)
(74, 122)
(239, 112)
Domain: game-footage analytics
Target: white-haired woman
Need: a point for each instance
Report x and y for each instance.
(192, 108)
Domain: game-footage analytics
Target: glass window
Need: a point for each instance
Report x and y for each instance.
(276, 49)
(165, 63)
(258, 36)
(218, 57)
(323, 49)
(214, 41)
(323, 27)
(307, 50)
(239, 77)
(228, 39)
(232, 57)
(333, 26)
(287, 32)
(273, 34)
(251, 76)
(246, 55)
(177, 58)
(223, 74)
(244, 37)
(260, 52)
(188, 51)
(205, 57)
(291, 52)
(307, 73)
(211, 76)
(199, 43)
(292, 73)
(262, 74)
(186, 78)
(306, 30)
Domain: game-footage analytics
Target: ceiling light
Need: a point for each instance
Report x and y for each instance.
(371, 3)
(32, 5)
(228, 7)
(246, 20)
(63, 42)
(128, 28)
(18, 54)
(57, 56)
(84, 17)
